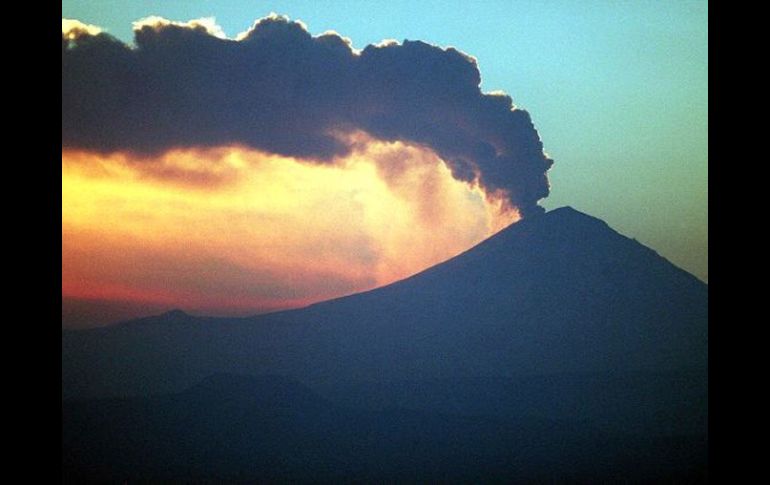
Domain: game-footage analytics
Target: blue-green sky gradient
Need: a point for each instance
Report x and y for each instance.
(618, 90)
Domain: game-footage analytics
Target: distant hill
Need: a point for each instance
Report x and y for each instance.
(267, 429)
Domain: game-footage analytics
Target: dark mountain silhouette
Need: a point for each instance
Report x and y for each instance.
(267, 429)
(556, 319)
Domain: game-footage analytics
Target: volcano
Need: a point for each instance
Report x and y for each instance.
(555, 323)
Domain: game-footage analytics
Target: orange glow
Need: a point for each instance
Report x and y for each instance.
(233, 230)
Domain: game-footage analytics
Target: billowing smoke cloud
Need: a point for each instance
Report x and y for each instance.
(278, 89)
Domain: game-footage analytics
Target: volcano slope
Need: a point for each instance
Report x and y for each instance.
(557, 348)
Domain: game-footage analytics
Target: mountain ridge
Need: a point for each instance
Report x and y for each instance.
(565, 216)
(557, 293)
(556, 319)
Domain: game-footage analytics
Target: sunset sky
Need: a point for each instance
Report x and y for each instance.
(228, 168)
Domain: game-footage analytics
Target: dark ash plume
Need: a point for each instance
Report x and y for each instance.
(281, 90)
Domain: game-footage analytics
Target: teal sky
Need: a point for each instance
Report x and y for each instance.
(618, 90)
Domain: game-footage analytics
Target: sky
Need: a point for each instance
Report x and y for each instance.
(617, 91)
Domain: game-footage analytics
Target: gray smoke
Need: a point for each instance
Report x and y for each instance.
(281, 90)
